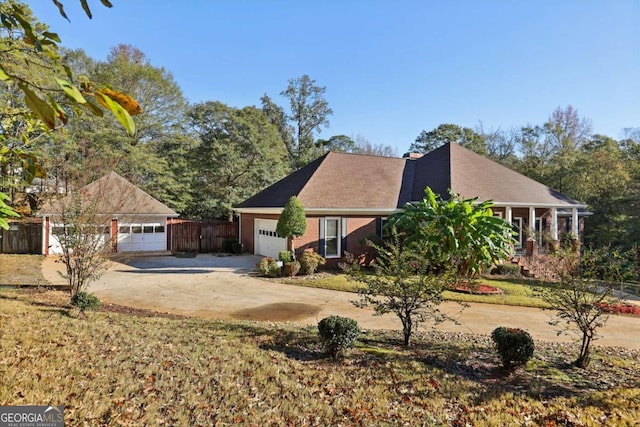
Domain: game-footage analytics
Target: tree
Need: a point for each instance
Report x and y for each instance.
(458, 234)
(81, 225)
(403, 284)
(339, 143)
(31, 65)
(308, 113)
(364, 146)
(500, 145)
(584, 286)
(445, 133)
(155, 159)
(238, 154)
(292, 222)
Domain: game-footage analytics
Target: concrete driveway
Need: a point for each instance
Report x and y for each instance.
(222, 288)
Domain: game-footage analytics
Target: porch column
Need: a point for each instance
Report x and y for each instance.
(532, 222)
(574, 222)
(554, 224)
(508, 214)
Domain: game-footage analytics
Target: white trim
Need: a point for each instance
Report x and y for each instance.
(537, 205)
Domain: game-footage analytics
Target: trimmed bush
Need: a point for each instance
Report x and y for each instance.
(310, 261)
(514, 345)
(285, 256)
(85, 301)
(227, 245)
(338, 334)
(268, 267)
(291, 268)
(236, 248)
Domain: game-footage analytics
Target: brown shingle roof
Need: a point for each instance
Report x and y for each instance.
(115, 195)
(353, 181)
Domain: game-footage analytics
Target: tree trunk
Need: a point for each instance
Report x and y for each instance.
(406, 330)
(584, 358)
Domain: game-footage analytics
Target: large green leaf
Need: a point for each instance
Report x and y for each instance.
(39, 107)
(71, 91)
(121, 114)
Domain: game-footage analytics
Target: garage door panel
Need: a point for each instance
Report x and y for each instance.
(268, 243)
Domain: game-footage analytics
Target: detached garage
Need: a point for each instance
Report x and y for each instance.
(127, 218)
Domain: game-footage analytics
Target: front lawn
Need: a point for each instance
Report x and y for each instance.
(516, 292)
(115, 369)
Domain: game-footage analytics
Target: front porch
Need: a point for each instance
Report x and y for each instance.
(543, 229)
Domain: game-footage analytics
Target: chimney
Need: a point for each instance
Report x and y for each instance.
(412, 156)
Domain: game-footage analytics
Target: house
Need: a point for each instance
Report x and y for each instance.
(347, 197)
(132, 220)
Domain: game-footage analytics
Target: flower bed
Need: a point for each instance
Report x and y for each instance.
(480, 289)
(631, 309)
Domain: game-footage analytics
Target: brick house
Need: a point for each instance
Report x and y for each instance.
(347, 197)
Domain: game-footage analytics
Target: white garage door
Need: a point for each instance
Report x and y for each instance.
(268, 243)
(55, 247)
(141, 237)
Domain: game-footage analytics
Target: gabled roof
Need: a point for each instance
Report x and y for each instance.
(471, 175)
(354, 181)
(114, 195)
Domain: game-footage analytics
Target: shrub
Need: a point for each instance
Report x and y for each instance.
(268, 267)
(310, 261)
(514, 345)
(285, 256)
(338, 334)
(227, 245)
(236, 248)
(85, 301)
(291, 268)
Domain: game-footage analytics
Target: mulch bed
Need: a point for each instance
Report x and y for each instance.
(480, 289)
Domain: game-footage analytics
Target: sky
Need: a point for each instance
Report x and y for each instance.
(391, 68)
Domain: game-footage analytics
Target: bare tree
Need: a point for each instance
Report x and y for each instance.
(584, 288)
(364, 146)
(80, 224)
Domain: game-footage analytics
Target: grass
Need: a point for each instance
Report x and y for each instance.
(115, 369)
(516, 291)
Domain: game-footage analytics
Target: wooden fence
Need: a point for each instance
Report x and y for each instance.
(201, 236)
(21, 238)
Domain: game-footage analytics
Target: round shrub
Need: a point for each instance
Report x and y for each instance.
(310, 261)
(291, 268)
(85, 301)
(268, 267)
(514, 345)
(285, 256)
(338, 334)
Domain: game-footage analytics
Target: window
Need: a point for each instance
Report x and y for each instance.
(159, 228)
(147, 229)
(332, 237)
(124, 229)
(136, 229)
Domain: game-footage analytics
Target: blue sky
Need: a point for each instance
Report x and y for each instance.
(391, 68)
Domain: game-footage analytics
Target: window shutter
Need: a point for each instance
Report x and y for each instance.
(379, 227)
(343, 231)
(321, 249)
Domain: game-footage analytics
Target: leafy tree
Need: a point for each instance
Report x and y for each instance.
(445, 133)
(308, 113)
(292, 222)
(584, 284)
(30, 66)
(339, 143)
(456, 234)
(403, 285)
(239, 153)
(500, 145)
